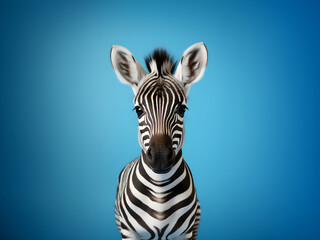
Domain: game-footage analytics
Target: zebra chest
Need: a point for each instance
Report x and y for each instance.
(145, 210)
(155, 219)
(158, 227)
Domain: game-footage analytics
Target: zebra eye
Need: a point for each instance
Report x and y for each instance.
(139, 111)
(181, 110)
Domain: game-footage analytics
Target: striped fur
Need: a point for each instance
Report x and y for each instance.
(160, 96)
(157, 206)
(152, 205)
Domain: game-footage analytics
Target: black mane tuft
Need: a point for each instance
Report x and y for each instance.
(160, 56)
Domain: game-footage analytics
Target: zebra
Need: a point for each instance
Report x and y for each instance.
(156, 196)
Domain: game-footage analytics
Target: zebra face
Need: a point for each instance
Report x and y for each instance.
(160, 99)
(160, 104)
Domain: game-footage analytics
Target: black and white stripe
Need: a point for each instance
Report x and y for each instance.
(160, 97)
(157, 206)
(152, 204)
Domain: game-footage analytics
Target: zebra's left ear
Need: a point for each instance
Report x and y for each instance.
(128, 70)
(192, 65)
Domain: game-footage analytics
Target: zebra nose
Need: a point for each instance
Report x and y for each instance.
(160, 153)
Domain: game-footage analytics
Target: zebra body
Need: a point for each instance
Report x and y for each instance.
(155, 191)
(156, 197)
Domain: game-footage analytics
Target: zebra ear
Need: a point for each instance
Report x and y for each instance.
(128, 70)
(192, 65)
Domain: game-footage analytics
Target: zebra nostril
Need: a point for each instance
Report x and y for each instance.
(149, 153)
(170, 154)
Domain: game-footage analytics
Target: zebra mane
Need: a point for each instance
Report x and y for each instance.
(160, 60)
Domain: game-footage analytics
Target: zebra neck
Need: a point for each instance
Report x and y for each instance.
(174, 172)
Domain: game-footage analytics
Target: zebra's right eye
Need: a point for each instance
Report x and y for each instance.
(139, 111)
(181, 110)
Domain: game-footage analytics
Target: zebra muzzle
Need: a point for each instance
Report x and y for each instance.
(160, 155)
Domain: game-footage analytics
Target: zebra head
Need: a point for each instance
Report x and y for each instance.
(160, 99)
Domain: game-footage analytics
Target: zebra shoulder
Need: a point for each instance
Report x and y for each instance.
(124, 174)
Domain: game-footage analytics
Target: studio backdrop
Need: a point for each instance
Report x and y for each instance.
(68, 129)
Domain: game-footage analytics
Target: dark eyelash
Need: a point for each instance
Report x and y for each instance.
(181, 110)
(139, 111)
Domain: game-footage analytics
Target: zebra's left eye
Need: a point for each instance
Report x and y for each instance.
(139, 111)
(181, 110)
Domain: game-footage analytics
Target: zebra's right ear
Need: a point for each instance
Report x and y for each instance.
(192, 65)
(128, 70)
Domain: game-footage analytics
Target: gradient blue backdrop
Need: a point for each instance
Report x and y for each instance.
(67, 129)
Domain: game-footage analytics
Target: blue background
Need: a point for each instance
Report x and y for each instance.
(252, 132)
